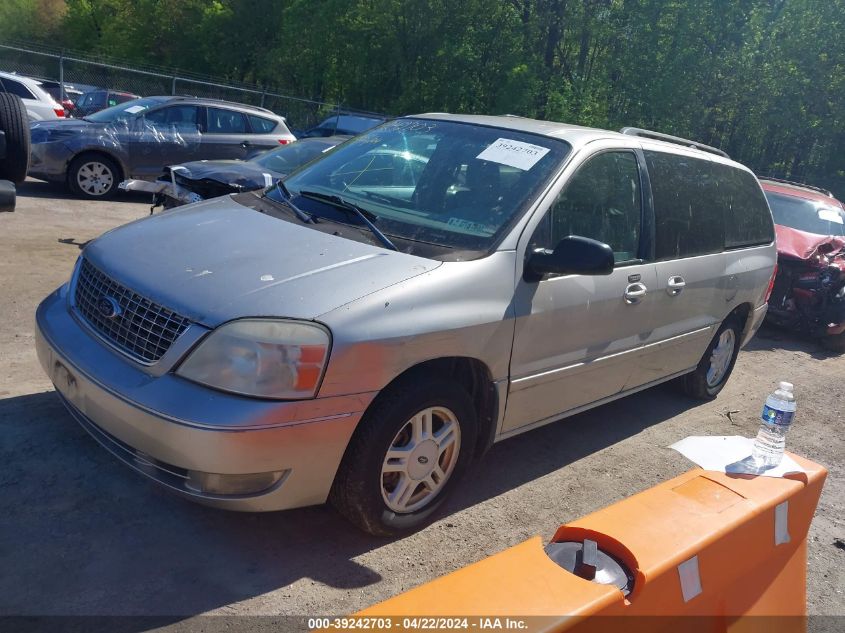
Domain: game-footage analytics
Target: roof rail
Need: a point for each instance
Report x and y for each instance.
(797, 184)
(225, 102)
(677, 140)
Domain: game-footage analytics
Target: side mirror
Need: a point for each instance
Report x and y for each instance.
(573, 255)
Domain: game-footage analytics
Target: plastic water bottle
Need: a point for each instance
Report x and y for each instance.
(777, 418)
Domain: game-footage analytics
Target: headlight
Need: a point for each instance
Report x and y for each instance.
(261, 357)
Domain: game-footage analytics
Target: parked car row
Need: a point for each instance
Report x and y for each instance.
(47, 99)
(40, 106)
(137, 138)
(178, 141)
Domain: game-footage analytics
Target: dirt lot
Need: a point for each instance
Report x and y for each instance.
(81, 534)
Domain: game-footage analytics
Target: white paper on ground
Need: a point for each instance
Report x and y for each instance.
(730, 454)
(513, 153)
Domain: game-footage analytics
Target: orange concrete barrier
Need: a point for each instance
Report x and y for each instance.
(706, 546)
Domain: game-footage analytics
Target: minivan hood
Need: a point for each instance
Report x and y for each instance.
(218, 260)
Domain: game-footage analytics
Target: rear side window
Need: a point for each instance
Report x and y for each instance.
(704, 207)
(98, 99)
(182, 116)
(16, 88)
(689, 217)
(260, 125)
(226, 121)
(747, 218)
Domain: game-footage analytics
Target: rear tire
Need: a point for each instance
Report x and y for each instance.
(717, 364)
(386, 495)
(15, 123)
(93, 176)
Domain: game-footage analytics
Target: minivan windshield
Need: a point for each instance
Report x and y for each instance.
(125, 110)
(451, 184)
(806, 215)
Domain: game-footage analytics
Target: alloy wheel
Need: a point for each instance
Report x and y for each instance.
(95, 178)
(420, 459)
(720, 357)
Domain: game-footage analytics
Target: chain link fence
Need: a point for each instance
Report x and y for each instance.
(81, 73)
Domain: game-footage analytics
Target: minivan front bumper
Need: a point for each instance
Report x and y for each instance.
(178, 433)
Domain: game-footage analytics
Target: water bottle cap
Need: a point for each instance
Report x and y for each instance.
(785, 386)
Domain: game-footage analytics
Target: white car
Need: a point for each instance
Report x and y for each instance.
(39, 104)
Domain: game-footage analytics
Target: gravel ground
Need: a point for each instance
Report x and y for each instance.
(81, 534)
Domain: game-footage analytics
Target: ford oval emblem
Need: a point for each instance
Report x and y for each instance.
(108, 307)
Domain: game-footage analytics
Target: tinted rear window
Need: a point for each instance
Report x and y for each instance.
(704, 207)
(260, 125)
(748, 221)
(222, 121)
(688, 222)
(16, 88)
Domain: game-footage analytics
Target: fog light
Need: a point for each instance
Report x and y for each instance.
(214, 483)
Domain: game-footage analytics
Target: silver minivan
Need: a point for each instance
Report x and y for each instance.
(365, 330)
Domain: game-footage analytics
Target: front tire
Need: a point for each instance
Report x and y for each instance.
(716, 365)
(93, 176)
(410, 450)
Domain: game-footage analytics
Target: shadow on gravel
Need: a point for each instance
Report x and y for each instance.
(80, 534)
(93, 538)
(773, 338)
(537, 453)
(32, 188)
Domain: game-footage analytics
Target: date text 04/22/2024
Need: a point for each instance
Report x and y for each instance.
(418, 623)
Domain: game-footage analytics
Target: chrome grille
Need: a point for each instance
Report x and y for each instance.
(142, 329)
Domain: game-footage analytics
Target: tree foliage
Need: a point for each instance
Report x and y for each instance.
(762, 79)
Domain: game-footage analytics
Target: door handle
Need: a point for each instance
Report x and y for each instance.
(635, 292)
(675, 285)
(246, 144)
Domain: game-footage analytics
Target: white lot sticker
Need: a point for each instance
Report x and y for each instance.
(135, 109)
(514, 153)
(831, 216)
(268, 179)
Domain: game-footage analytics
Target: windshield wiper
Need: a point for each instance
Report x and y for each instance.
(304, 217)
(362, 214)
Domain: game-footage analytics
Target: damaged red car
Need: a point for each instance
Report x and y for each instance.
(809, 290)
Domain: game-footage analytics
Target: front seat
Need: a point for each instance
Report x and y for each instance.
(483, 189)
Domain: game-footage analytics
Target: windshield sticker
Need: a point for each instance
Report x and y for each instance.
(831, 216)
(268, 179)
(475, 227)
(513, 153)
(135, 109)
